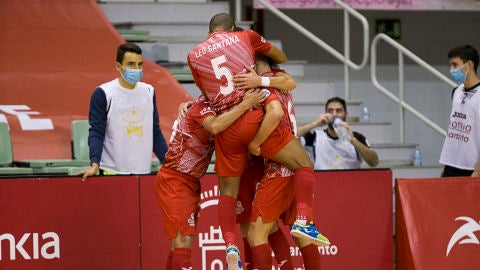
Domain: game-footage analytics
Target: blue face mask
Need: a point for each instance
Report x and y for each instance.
(457, 74)
(132, 76)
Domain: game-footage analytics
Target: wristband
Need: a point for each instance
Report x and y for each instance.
(265, 81)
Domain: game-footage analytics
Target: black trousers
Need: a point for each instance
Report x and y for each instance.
(450, 171)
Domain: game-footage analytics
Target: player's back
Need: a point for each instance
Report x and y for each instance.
(191, 146)
(215, 61)
(286, 99)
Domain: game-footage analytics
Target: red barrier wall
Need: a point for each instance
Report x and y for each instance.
(102, 223)
(438, 223)
(92, 225)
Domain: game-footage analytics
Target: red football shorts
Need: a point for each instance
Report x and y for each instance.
(274, 199)
(276, 141)
(179, 196)
(231, 146)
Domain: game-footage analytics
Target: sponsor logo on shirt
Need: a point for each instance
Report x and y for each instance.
(459, 115)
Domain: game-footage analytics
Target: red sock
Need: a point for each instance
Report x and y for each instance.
(169, 261)
(181, 258)
(247, 253)
(311, 257)
(281, 248)
(304, 182)
(227, 218)
(261, 257)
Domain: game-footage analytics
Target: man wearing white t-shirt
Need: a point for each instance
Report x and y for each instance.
(327, 150)
(461, 148)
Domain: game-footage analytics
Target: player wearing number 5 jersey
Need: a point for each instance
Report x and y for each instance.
(213, 64)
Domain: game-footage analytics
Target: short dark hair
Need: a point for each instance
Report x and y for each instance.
(127, 47)
(338, 100)
(466, 53)
(221, 21)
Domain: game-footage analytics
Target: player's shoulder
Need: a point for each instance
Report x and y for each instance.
(248, 32)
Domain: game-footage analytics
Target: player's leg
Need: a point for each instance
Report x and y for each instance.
(294, 156)
(258, 239)
(231, 150)
(178, 197)
(181, 250)
(227, 219)
(271, 200)
(280, 247)
(310, 253)
(252, 174)
(247, 252)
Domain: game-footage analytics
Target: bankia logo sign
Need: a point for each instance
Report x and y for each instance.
(465, 234)
(29, 246)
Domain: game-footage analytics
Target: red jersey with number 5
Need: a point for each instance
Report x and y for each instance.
(224, 54)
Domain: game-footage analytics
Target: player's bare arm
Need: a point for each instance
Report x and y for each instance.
(273, 115)
(183, 107)
(321, 120)
(276, 55)
(280, 80)
(364, 151)
(217, 124)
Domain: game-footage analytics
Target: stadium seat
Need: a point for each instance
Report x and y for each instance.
(156, 165)
(80, 154)
(7, 167)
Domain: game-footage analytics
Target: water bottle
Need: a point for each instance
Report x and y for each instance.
(342, 132)
(417, 158)
(365, 115)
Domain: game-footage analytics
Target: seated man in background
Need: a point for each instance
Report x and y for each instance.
(328, 151)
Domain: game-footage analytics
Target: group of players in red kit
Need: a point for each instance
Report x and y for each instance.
(249, 121)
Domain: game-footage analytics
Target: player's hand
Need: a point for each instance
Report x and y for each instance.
(323, 119)
(348, 127)
(253, 97)
(92, 171)
(183, 107)
(254, 149)
(248, 80)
